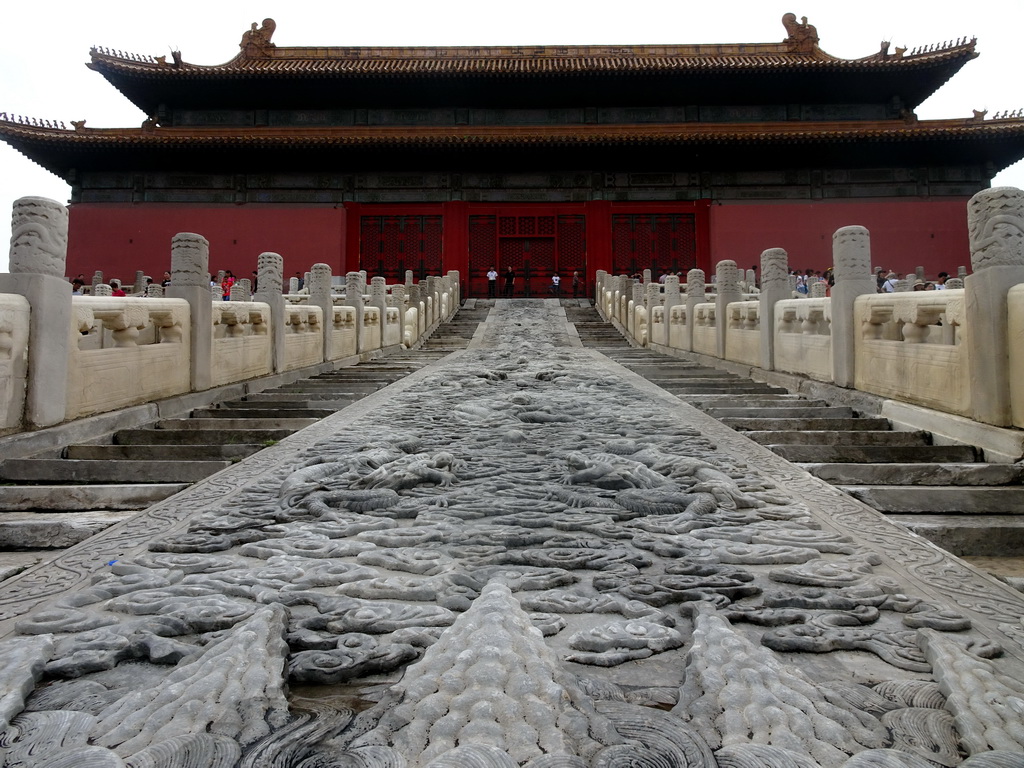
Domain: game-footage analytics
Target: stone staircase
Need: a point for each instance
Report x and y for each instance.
(945, 493)
(55, 499)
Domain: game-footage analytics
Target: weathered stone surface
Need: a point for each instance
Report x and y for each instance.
(522, 556)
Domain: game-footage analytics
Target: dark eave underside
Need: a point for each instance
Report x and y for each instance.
(935, 143)
(627, 81)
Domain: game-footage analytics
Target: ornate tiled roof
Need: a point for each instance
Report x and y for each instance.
(46, 132)
(797, 69)
(798, 51)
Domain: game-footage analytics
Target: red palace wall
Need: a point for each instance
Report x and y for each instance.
(904, 234)
(119, 239)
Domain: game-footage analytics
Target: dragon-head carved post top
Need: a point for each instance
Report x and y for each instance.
(190, 260)
(803, 37)
(695, 284)
(256, 41)
(270, 273)
(774, 267)
(851, 252)
(727, 276)
(39, 237)
(995, 227)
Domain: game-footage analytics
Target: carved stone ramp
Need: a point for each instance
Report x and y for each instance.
(522, 555)
(946, 493)
(67, 493)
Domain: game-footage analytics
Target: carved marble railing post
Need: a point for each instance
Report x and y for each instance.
(408, 278)
(453, 276)
(647, 276)
(97, 279)
(319, 285)
(694, 296)
(636, 296)
(599, 288)
(354, 298)
(672, 297)
(190, 280)
(39, 247)
(240, 290)
(727, 283)
(413, 292)
(379, 299)
(293, 285)
(851, 257)
(774, 288)
(431, 287)
(269, 284)
(139, 287)
(995, 226)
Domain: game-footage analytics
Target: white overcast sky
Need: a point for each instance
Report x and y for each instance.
(43, 73)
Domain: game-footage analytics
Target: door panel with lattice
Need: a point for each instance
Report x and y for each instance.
(659, 242)
(389, 245)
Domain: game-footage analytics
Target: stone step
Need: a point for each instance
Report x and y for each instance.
(765, 401)
(686, 374)
(274, 397)
(242, 412)
(14, 562)
(701, 389)
(999, 536)
(918, 474)
(217, 424)
(814, 424)
(51, 471)
(73, 498)
(965, 500)
(143, 436)
(836, 437)
(788, 412)
(42, 531)
(161, 452)
(877, 454)
(338, 388)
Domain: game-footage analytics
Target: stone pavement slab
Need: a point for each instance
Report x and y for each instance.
(524, 555)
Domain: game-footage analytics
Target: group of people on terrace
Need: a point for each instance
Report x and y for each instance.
(509, 283)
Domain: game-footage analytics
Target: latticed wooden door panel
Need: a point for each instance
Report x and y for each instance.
(389, 245)
(538, 265)
(572, 252)
(536, 245)
(510, 254)
(659, 242)
(483, 254)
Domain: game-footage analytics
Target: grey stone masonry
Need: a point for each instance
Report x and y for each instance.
(851, 257)
(727, 285)
(775, 287)
(190, 269)
(995, 226)
(269, 283)
(39, 245)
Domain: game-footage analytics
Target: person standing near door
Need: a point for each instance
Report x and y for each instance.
(576, 283)
(492, 283)
(510, 282)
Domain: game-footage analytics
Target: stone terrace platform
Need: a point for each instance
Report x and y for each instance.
(523, 554)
